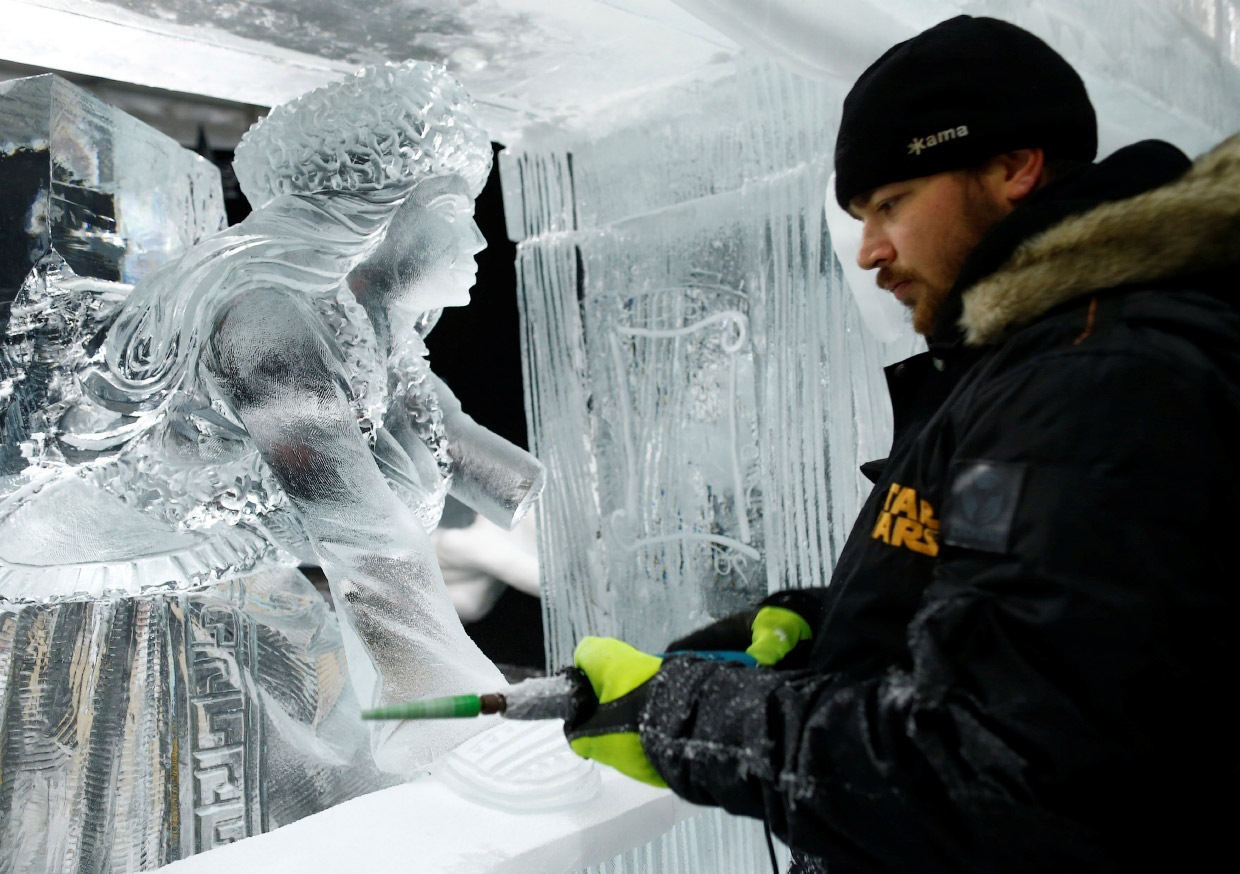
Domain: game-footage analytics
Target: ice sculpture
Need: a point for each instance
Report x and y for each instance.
(366, 197)
(168, 680)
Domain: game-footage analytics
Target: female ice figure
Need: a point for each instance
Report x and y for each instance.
(304, 325)
(263, 397)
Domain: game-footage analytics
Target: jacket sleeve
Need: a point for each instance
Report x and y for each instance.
(1053, 690)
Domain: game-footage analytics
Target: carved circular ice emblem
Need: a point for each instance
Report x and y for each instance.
(385, 126)
(522, 766)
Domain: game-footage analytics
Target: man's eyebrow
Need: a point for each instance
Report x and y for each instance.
(857, 203)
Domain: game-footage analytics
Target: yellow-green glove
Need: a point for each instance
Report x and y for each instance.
(619, 674)
(775, 632)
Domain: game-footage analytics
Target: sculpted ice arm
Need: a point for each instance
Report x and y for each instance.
(402, 637)
(496, 478)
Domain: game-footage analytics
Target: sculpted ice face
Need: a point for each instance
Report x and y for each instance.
(426, 260)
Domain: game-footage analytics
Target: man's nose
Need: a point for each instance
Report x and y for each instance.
(875, 250)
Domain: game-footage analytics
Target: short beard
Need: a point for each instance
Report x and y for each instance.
(978, 214)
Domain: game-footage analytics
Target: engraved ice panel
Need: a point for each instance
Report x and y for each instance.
(699, 381)
(671, 368)
(133, 732)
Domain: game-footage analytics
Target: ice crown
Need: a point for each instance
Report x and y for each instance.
(385, 126)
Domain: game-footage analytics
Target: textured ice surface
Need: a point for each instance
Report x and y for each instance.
(699, 380)
(167, 682)
(540, 64)
(112, 196)
(135, 731)
(1155, 68)
(92, 200)
(526, 61)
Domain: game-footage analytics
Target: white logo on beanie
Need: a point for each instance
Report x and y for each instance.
(920, 143)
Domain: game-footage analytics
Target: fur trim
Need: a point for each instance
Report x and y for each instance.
(1190, 224)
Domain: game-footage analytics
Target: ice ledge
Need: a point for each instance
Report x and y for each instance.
(98, 39)
(427, 826)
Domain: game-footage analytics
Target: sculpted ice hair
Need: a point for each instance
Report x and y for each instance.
(382, 127)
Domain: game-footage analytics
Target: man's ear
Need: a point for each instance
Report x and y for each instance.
(1022, 173)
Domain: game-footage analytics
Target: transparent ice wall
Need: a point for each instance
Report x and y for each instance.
(698, 380)
(95, 199)
(102, 189)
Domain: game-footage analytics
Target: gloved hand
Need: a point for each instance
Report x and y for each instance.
(619, 675)
(776, 632)
(768, 633)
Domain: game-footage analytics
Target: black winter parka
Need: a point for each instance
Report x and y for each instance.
(1025, 660)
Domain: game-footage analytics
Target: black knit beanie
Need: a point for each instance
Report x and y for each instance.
(961, 92)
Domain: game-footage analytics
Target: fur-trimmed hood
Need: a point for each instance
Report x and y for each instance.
(1188, 225)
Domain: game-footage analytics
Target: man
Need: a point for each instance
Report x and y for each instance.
(1023, 660)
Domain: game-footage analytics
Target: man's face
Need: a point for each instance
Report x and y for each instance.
(917, 234)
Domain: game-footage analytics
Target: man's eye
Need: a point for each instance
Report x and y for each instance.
(888, 205)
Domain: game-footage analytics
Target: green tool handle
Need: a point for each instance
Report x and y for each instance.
(435, 708)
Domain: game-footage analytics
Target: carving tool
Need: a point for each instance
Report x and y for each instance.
(559, 696)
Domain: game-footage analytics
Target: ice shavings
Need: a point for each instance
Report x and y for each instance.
(545, 696)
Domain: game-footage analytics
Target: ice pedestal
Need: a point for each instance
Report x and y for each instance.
(429, 826)
(139, 730)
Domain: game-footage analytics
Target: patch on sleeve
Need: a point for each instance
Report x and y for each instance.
(982, 504)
